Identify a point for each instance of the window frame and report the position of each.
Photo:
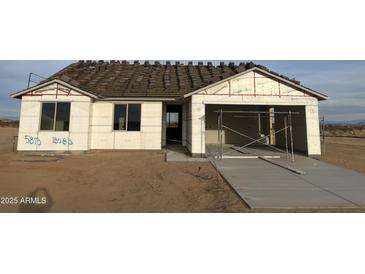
(127, 118)
(54, 117)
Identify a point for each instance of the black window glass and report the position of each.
(62, 117)
(120, 117)
(134, 117)
(47, 119)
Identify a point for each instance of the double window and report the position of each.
(55, 116)
(127, 117)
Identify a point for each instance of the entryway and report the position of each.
(173, 124)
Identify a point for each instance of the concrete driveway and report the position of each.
(265, 185)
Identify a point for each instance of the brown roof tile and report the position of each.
(124, 79)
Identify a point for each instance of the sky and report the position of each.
(342, 81)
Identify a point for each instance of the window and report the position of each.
(47, 121)
(127, 117)
(120, 116)
(55, 116)
(134, 117)
(62, 116)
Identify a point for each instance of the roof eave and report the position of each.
(18, 94)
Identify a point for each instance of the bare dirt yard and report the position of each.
(130, 181)
(347, 152)
(110, 181)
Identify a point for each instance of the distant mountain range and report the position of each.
(359, 122)
(10, 118)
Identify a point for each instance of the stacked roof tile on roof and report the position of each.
(124, 79)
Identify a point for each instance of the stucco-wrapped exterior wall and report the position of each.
(188, 124)
(91, 124)
(104, 137)
(163, 125)
(31, 138)
(313, 134)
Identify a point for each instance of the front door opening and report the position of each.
(173, 124)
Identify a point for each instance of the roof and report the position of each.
(116, 79)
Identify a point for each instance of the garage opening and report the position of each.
(248, 130)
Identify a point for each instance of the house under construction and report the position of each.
(121, 105)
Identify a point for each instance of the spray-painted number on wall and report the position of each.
(62, 141)
(32, 140)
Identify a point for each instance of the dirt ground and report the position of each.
(111, 181)
(346, 152)
(130, 181)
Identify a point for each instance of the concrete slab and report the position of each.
(265, 185)
(180, 154)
